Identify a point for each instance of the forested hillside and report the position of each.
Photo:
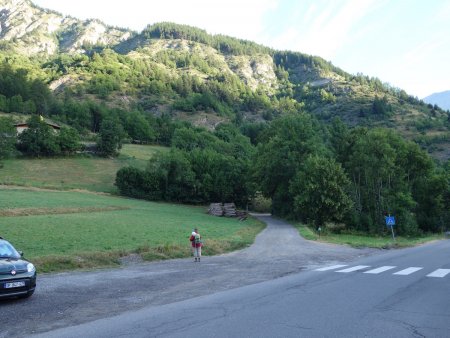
(188, 74)
(241, 118)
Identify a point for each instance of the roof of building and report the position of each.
(25, 124)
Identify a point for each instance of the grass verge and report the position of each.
(359, 240)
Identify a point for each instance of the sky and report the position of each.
(405, 43)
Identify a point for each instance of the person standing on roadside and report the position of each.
(196, 243)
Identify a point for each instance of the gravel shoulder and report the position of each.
(72, 298)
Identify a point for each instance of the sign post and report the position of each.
(390, 222)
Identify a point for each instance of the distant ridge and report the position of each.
(441, 99)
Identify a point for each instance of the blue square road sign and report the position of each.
(390, 221)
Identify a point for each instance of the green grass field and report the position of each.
(361, 240)
(80, 172)
(61, 230)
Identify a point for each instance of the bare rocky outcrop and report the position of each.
(254, 71)
(34, 30)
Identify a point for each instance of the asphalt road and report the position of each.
(401, 293)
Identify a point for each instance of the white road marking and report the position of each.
(381, 269)
(407, 271)
(439, 273)
(355, 268)
(330, 268)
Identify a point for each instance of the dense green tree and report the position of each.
(340, 140)
(110, 137)
(97, 113)
(189, 139)
(4, 104)
(284, 146)
(431, 193)
(68, 140)
(381, 106)
(139, 183)
(200, 168)
(77, 114)
(24, 94)
(16, 104)
(254, 131)
(220, 177)
(138, 127)
(164, 129)
(175, 176)
(39, 139)
(372, 171)
(8, 137)
(387, 176)
(320, 191)
(41, 96)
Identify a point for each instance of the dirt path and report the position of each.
(72, 298)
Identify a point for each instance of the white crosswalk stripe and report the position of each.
(354, 268)
(381, 269)
(439, 273)
(331, 267)
(408, 271)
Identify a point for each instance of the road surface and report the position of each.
(402, 293)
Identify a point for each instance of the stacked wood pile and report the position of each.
(229, 210)
(215, 209)
(242, 215)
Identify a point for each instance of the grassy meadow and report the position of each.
(60, 230)
(81, 172)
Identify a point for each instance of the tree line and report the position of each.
(330, 176)
(326, 175)
(200, 167)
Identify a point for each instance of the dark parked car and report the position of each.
(17, 275)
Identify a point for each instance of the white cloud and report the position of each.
(327, 27)
(443, 13)
(423, 52)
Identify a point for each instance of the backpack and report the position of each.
(197, 239)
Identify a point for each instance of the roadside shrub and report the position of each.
(259, 203)
(335, 228)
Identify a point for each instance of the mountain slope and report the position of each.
(442, 99)
(189, 74)
(39, 31)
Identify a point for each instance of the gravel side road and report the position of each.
(66, 299)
